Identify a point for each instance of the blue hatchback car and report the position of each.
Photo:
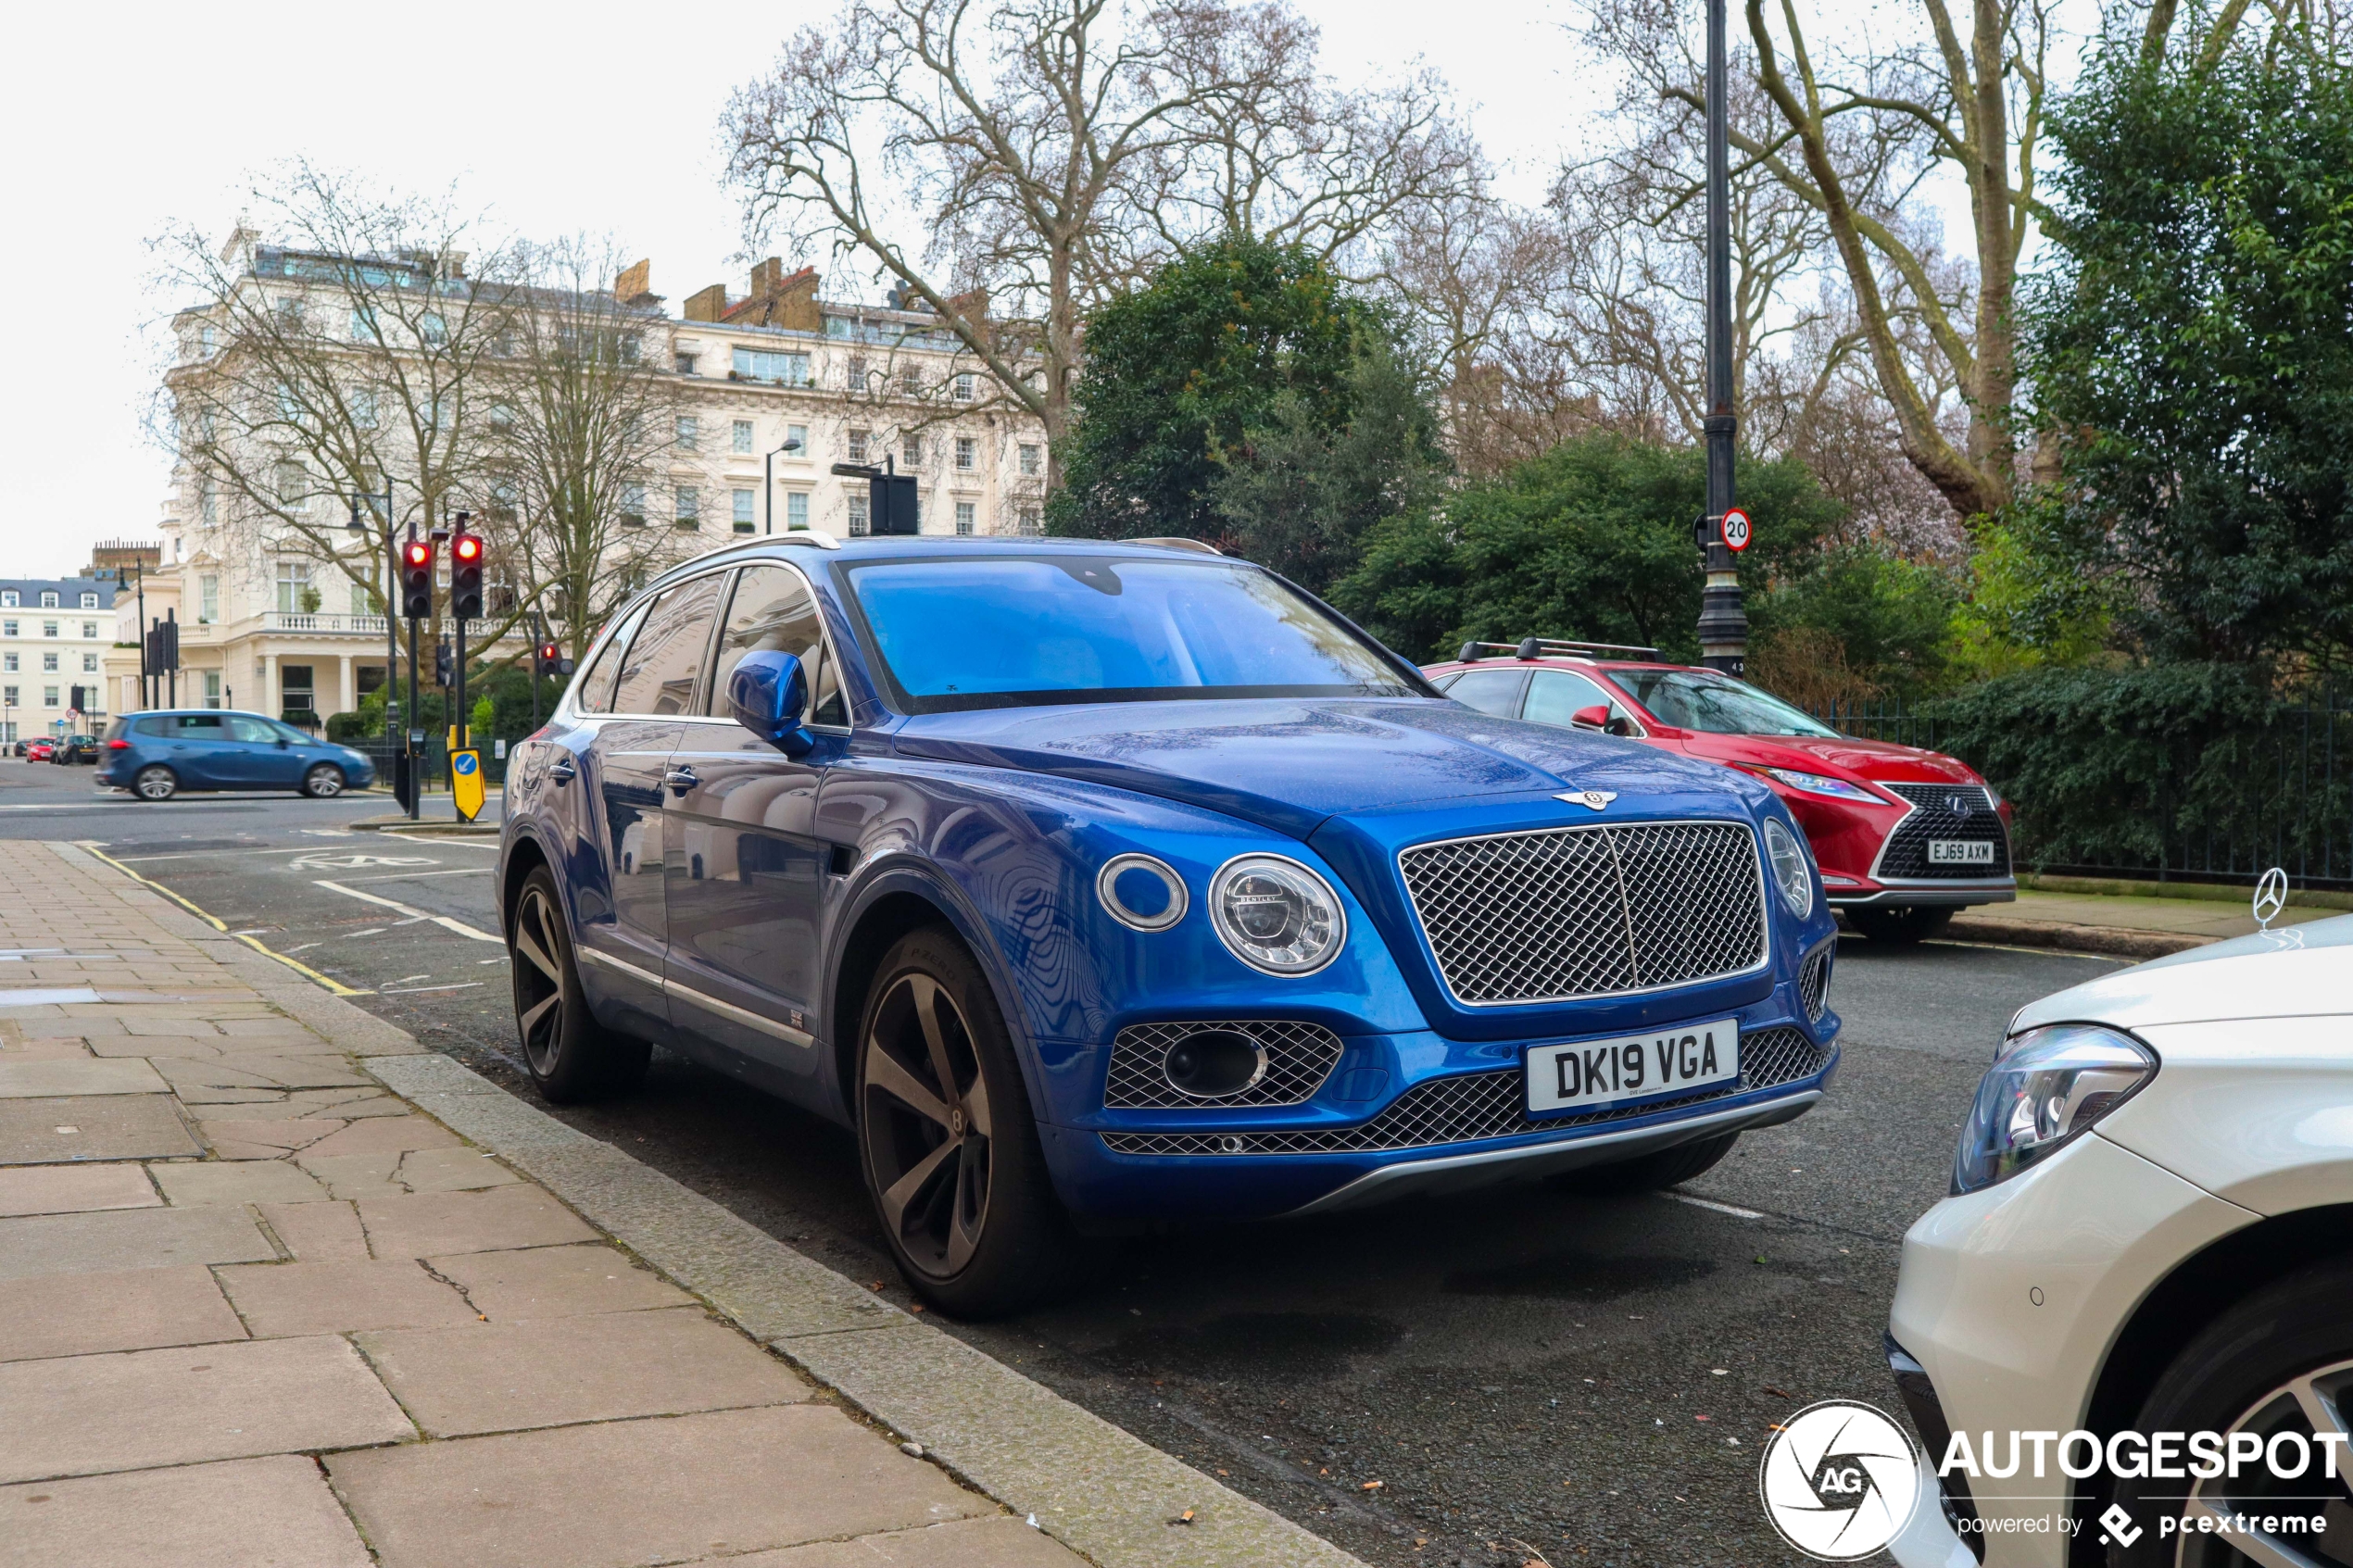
(154, 756)
(1094, 885)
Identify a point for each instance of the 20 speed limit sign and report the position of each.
(1735, 529)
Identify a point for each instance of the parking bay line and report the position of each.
(1710, 1204)
(446, 923)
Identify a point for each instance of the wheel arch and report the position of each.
(521, 856)
(2197, 1291)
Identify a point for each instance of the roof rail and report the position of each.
(1549, 648)
(1196, 545)
(810, 536)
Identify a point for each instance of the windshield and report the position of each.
(1699, 699)
(1022, 632)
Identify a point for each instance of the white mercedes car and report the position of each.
(2144, 1279)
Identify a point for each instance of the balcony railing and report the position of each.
(351, 625)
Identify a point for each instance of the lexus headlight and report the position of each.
(1792, 874)
(1822, 784)
(2048, 1085)
(1276, 914)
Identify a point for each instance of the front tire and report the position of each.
(323, 781)
(156, 782)
(570, 1057)
(951, 1152)
(1900, 928)
(1649, 1173)
(2281, 1362)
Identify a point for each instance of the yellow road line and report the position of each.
(337, 986)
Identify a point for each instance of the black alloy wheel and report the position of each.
(156, 782)
(570, 1057)
(950, 1151)
(323, 781)
(2277, 1368)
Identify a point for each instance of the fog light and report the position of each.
(1213, 1063)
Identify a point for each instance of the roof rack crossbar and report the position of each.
(1538, 647)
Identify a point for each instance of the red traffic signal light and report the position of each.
(466, 547)
(465, 577)
(416, 579)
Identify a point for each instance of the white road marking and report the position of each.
(372, 931)
(412, 990)
(1711, 1204)
(416, 876)
(349, 861)
(445, 922)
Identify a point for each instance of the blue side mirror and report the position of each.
(768, 693)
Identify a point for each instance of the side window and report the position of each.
(595, 686)
(1554, 696)
(1490, 691)
(199, 726)
(658, 677)
(256, 731)
(772, 611)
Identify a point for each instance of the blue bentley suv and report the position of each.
(1099, 885)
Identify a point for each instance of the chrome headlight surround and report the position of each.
(1793, 868)
(1107, 892)
(1277, 915)
(2048, 1087)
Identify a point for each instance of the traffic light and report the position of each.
(465, 577)
(444, 667)
(416, 579)
(548, 659)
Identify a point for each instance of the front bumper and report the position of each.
(2008, 1300)
(1864, 894)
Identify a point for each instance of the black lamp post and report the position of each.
(768, 466)
(1723, 629)
(391, 586)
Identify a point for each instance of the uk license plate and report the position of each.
(1591, 1072)
(1960, 852)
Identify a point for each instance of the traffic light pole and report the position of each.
(1723, 628)
(408, 741)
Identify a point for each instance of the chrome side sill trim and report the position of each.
(750, 1020)
(605, 961)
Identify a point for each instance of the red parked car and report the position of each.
(43, 749)
(1904, 836)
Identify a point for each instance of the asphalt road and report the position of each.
(1473, 1381)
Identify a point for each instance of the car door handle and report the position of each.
(561, 771)
(681, 779)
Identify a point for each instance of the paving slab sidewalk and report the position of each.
(278, 1286)
(2117, 925)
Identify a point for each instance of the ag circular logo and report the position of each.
(1840, 1480)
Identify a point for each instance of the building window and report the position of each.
(688, 509)
(89, 664)
(783, 369)
(48, 628)
(800, 435)
(8, 693)
(293, 583)
(744, 516)
(743, 435)
(207, 599)
(88, 601)
(686, 363)
(796, 508)
(363, 325)
(208, 503)
(9, 600)
(295, 689)
(48, 598)
(48, 696)
(9, 629)
(213, 688)
(857, 517)
(89, 628)
(910, 380)
(911, 452)
(965, 519)
(858, 439)
(853, 373)
(689, 430)
(10, 664)
(1028, 458)
(965, 388)
(48, 664)
(633, 506)
(967, 452)
(363, 599)
(293, 484)
(1031, 524)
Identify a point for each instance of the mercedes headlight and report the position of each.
(2048, 1085)
(1792, 874)
(1822, 784)
(1275, 915)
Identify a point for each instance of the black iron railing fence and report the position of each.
(2217, 798)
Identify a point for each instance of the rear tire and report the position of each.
(156, 782)
(951, 1152)
(1649, 1173)
(323, 781)
(1900, 928)
(2280, 1361)
(570, 1055)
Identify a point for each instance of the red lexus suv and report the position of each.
(1904, 836)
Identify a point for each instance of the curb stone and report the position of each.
(2112, 941)
(1091, 1485)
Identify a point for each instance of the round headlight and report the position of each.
(1276, 914)
(1141, 892)
(1792, 873)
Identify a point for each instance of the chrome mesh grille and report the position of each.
(1299, 1058)
(1475, 1106)
(1814, 980)
(1933, 816)
(1570, 912)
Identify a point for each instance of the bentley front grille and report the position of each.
(1564, 914)
(1474, 1106)
(1299, 1058)
(1943, 814)
(1814, 980)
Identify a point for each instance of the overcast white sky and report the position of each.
(552, 119)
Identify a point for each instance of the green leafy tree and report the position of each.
(1890, 620)
(1229, 342)
(2191, 356)
(1590, 540)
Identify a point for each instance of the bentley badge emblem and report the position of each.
(1595, 798)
